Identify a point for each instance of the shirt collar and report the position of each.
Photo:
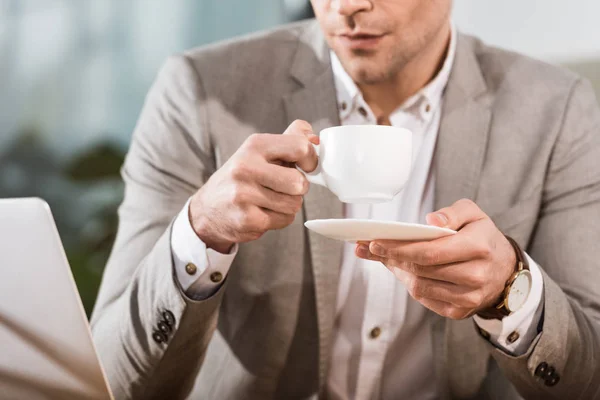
(349, 95)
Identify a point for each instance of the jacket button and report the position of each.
(169, 318)
(159, 337)
(550, 372)
(552, 380)
(541, 369)
(164, 327)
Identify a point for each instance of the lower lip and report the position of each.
(366, 43)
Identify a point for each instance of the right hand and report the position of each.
(256, 190)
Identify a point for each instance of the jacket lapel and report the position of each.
(460, 151)
(314, 100)
(464, 129)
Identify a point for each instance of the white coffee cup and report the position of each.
(363, 163)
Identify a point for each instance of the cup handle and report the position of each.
(317, 175)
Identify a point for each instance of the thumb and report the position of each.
(437, 219)
(456, 216)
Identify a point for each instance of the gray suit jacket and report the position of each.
(519, 137)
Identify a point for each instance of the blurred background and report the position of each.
(74, 73)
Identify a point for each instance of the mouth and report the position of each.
(360, 41)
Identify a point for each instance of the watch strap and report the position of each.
(521, 257)
(499, 311)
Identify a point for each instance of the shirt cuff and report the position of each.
(199, 270)
(515, 333)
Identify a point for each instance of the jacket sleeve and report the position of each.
(144, 327)
(564, 360)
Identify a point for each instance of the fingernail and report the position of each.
(362, 250)
(314, 139)
(439, 219)
(377, 249)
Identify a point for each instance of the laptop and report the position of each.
(46, 347)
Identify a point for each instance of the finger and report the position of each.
(299, 127)
(402, 274)
(276, 148)
(256, 219)
(471, 243)
(456, 216)
(362, 251)
(278, 220)
(433, 290)
(302, 128)
(448, 273)
(275, 201)
(468, 274)
(460, 296)
(281, 179)
(446, 250)
(291, 148)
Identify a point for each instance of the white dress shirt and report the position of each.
(382, 344)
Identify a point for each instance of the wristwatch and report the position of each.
(516, 290)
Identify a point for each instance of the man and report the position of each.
(215, 290)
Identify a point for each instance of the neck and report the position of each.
(385, 97)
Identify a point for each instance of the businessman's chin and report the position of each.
(369, 68)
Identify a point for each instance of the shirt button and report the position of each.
(375, 332)
(343, 106)
(553, 380)
(513, 337)
(190, 268)
(428, 108)
(216, 277)
(363, 112)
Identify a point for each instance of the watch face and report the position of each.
(519, 291)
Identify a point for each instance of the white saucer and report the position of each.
(358, 230)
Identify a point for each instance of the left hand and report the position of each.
(455, 276)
